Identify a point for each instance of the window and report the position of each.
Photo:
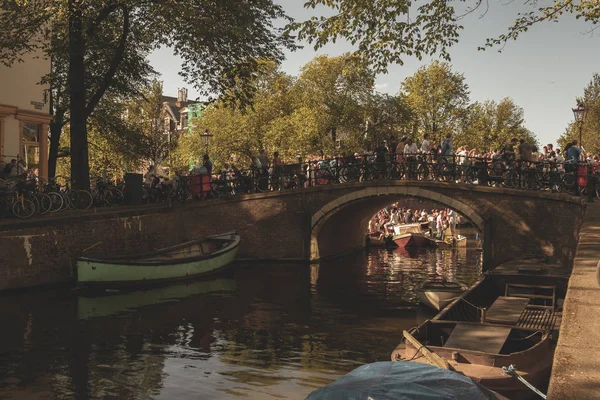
(184, 121)
(31, 132)
(31, 146)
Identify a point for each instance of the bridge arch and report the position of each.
(339, 226)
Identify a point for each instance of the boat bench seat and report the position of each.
(543, 297)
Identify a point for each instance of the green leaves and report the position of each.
(490, 125)
(439, 97)
(383, 30)
(591, 123)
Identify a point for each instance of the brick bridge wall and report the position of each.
(296, 225)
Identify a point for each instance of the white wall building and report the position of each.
(24, 116)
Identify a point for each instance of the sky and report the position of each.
(543, 71)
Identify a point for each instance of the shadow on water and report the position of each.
(276, 331)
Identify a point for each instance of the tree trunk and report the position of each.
(80, 174)
(55, 132)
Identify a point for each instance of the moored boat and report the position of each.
(375, 239)
(438, 295)
(403, 380)
(506, 295)
(407, 228)
(479, 351)
(184, 261)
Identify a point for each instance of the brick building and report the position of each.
(24, 113)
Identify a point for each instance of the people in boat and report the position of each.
(389, 226)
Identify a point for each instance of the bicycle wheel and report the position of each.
(568, 182)
(23, 208)
(262, 184)
(45, 203)
(116, 196)
(73, 199)
(511, 179)
(4, 207)
(56, 202)
(66, 201)
(85, 199)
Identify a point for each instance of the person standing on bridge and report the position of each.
(410, 152)
(525, 150)
(426, 146)
(400, 150)
(447, 146)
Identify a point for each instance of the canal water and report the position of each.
(259, 332)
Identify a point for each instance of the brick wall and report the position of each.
(273, 226)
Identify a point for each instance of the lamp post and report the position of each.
(206, 138)
(579, 113)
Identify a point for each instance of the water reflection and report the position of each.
(277, 331)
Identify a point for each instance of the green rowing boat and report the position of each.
(184, 261)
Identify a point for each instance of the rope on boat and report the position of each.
(513, 372)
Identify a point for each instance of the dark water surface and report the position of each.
(260, 332)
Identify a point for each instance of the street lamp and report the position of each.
(206, 138)
(579, 113)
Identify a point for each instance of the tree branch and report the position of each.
(114, 66)
(102, 15)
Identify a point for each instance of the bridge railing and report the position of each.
(526, 175)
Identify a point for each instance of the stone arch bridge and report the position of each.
(301, 225)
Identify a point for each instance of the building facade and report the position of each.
(179, 113)
(25, 114)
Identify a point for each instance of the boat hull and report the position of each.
(409, 240)
(438, 300)
(127, 272)
(533, 360)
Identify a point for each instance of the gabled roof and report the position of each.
(172, 111)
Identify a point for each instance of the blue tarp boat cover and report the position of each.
(403, 380)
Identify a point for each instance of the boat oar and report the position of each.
(433, 358)
(91, 247)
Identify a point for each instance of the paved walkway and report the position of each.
(576, 371)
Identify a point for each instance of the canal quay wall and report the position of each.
(576, 369)
(295, 226)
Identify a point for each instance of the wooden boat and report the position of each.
(375, 239)
(512, 297)
(450, 242)
(438, 295)
(479, 351)
(407, 228)
(408, 240)
(403, 380)
(120, 302)
(184, 261)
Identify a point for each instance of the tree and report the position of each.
(388, 117)
(339, 88)
(144, 118)
(491, 125)
(241, 132)
(220, 42)
(591, 124)
(438, 97)
(387, 31)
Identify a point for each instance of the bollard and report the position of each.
(591, 187)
